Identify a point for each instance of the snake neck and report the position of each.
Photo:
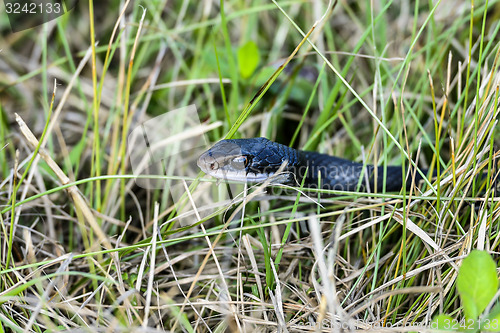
(334, 173)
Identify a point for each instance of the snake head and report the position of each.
(245, 160)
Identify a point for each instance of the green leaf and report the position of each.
(248, 59)
(477, 282)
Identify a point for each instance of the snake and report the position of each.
(255, 160)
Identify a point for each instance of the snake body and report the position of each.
(257, 159)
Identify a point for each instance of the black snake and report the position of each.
(257, 159)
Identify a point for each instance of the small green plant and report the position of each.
(477, 285)
(248, 59)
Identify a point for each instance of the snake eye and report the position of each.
(239, 163)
